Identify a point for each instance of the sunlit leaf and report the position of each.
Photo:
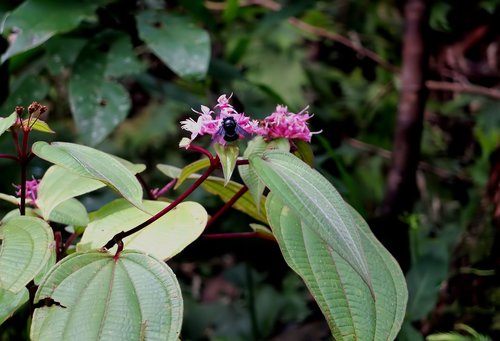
(70, 212)
(94, 164)
(319, 204)
(7, 122)
(91, 296)
(352, 308)
(10, 302)
(25, 248)
(163, 239)
(38, 125)
(182, 46)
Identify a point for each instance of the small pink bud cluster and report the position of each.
(280, 124)
(31, 190)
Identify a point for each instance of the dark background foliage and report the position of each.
(406, 93)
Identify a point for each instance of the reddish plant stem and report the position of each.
(164, 189)
(144, 185)
(201, 150)
(22, 201)
(226, 206)
(242, 162)
(69, 241)
(214, 164)
(8, 156)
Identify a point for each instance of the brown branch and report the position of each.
(460, 87)
(401, 187)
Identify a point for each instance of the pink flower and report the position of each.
(282, 123)
(207, 124)
(31, 190)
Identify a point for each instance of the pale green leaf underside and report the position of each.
(319, 204)
(352, 312)
(136, 297)
(10, 302)
(163, 239)
(26, 247)
(70, 212)
(94, 164)
(7, 122)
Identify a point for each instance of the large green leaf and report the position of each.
(94, 164)
(7, 122)
(181, 45)
(91, 296)
(317, 202)
(353, 310)
(163, 239)
(25, 248)
(10, 302)
(97, 103)
(58, 185)
(70, 212)
(36, 21)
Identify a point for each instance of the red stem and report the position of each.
(8, 156)
(165, 189)
(120, 236)
(226, 206)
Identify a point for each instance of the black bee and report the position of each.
(229, 131)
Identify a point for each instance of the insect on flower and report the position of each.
(229, 131)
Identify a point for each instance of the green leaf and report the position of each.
(94, 164)
(317, 202)
(10, 302)
(92, 296)
(190, 169)
(36, 21)
(58, 185)
(7, 122)
(163, 239)
(255, 186)
(38, 125)
(98, 104)
(70, 212)
(182, 46)
(354, 311)
(304, 152)
(122, 60)
(228, 155)
(25, 248)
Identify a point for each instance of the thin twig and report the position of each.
(460, 87)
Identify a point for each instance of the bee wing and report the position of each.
(218, 137)
(242, 132)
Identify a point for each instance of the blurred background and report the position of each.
(407, 94)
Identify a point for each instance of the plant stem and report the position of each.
(214, 164)
(164, 189)
(226, 206)
(8, 156)
(144, 185)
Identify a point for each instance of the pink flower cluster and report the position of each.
(280, 124)
(31, 190)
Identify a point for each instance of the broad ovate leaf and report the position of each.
(7, 122)
(163, 238)
(26, 244)
(318, 203)
(58, 185)
(255, 186)
(70, 212)
(98, 104)
(10, 302)
(92, 296)
(180, 44)
(93, 164)
(354, 311)
(228, 155)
